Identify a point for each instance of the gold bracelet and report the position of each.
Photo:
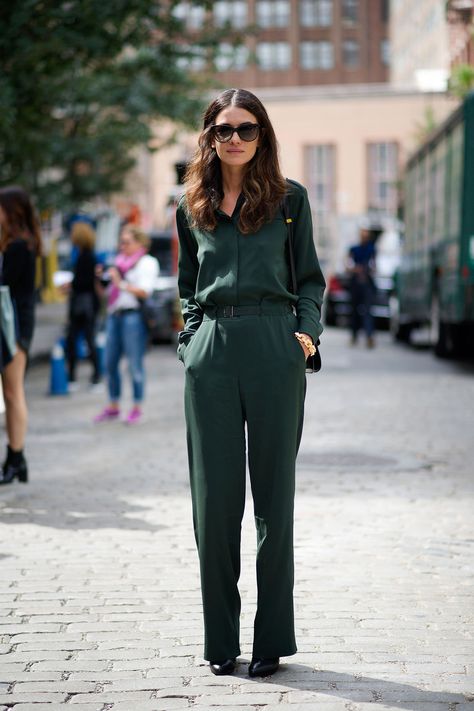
(307, 342)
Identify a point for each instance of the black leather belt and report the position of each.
(252, 310)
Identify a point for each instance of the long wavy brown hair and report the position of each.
(263, 185)
(20, 219)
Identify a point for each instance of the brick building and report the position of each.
(305, 42)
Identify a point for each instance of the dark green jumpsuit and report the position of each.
(245, 367)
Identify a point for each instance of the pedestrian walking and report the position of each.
(83, 302)
(20, 244)
(130, 281)
(244, 348)
(361, 266)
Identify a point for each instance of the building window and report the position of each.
(195, 59)
(274, 55)
(233, 12)
(273, 14)
(316, 55)
(350, 10)
(320, 175)
(192, 15)
(350, 53)
(316, 13)
(231, 58)
(385, 52)
(382, 171)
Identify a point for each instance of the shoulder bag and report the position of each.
(315, 361)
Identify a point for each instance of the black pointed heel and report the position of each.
(221, 668)
(263, 667)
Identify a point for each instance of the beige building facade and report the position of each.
(347, 145)
(419, 44)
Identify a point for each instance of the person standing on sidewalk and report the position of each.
(132, 279)
(361, 267)
(244, 348)
(83, 302)
(20, 244)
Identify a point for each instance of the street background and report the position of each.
(100, 602)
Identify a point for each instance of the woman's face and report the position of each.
(128, 243)
(235, 152)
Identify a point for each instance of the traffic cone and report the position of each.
(58, 380)
(100, 350)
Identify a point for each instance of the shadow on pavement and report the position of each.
(360, 689)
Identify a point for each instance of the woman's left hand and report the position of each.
(305, 349)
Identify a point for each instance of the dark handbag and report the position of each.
(315, 361)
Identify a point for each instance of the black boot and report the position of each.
(14, 467)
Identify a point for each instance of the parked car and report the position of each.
(162, 302)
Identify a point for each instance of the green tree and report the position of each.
(461, 81)
(83, 81)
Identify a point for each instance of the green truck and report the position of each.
(435, 280)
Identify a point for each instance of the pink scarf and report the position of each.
(123, 264)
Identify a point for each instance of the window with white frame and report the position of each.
(274, 55)
(230, 11)
(315, 13)
(350, 10)
(273, 13)
(382, 171)
(320, 177)
(192, 15)
(231, 58)
(350, 53)
(316, 55)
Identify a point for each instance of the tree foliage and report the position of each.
(461, 81)
(81, 84)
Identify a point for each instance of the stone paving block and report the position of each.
(15, 698)
(70, 665)
(10, 675)
(112, 697)
(327, 704)
(140, 684)
(41, 687)
(57, 707)
(166, 704)
(219, 699)
(26, 657)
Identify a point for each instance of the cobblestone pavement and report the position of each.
(99, 589)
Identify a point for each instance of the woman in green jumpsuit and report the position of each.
(244, 347)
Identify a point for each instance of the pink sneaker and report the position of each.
(107, 414)
(134, 416)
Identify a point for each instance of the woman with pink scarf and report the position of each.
(132, 279)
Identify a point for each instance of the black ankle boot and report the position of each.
(14, 467)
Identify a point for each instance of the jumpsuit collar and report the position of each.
(238, 205)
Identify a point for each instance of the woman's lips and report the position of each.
(234, 150)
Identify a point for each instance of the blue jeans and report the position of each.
(126, 334)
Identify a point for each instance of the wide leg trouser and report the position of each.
(247, 370)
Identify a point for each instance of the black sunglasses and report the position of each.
(223, 132)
